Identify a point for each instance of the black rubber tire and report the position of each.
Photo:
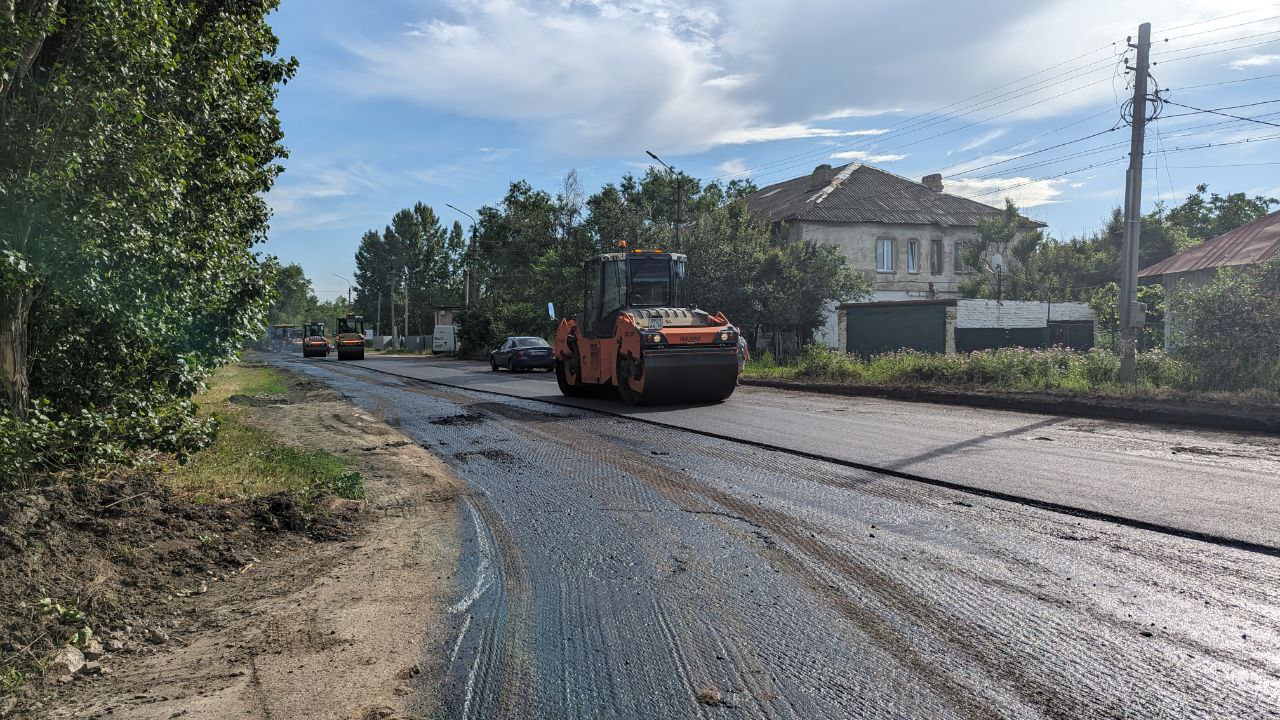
(629, 396)
(562, 380)
(493, 364)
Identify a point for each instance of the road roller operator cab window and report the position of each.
(351, 325)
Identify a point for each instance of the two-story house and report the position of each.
(907, 237)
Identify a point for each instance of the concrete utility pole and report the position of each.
(466, 274)
(1130, 314)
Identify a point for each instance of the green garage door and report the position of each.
(881, 329)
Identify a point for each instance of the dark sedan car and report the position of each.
(523, 353)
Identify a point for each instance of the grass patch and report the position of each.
(1020, 369)
(246, 462)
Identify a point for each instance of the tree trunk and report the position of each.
(15, 309)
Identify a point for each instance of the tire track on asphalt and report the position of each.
(1210, 538)
(1076, 686)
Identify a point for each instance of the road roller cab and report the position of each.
(638, 334)
(314, 343)
(350, 339)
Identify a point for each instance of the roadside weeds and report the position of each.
(217, 600)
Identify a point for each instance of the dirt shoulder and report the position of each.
(1224, 416)
(332, 622)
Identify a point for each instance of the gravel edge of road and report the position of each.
(1180, 412)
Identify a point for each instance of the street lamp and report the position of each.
(348, 282)
(675, 183)
(466, 274)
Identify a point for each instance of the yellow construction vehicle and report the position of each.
(350, 339)
(638, 334)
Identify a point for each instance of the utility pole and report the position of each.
(466, 274)
(1130, 314)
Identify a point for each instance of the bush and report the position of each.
(1003, 368)
(481, 329)
(1228, 331)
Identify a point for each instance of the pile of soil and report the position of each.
(118, 555)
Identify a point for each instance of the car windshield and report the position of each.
(529, 342)
(650, 282)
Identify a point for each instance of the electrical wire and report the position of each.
(1235, 117)
(1226, 27)
(1223, 17)
(1224, 82)
(1214, 52)
(1216, 42)
(1215, 111)
(916, 120)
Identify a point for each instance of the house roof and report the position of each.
(1249, 244)
(862, 193)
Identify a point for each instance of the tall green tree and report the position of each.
(1204, 215)
(292, 296)
(138, 139)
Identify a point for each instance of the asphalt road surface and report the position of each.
(1218, 483)
(616, 569)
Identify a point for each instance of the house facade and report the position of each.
(906, 237)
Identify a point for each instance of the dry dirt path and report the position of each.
(350, 629)
(613, 569)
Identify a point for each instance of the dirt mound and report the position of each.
(113, 555)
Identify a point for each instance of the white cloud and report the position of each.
(1254, 61)
(736, 167)
(598, 77)
(303, 188)
(862, 156)
(790, 131)
(980, 140)
(851, 112)
(1027, 193)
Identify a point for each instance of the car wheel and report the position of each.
(493, 364)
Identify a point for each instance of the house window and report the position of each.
(913, 256)
(884, 255)
(935, 256)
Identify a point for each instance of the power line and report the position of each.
(1215, 52)
(1215, 110)
(1027, 140)
(1230, 165)
(1226, 27)
(916, 119)
(1234, 117)
(1047, 149)
(1224, 82)
(1223, 17)
(957, 129)
(1218, 42)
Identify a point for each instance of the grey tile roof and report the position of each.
(1249, 244)
(861, 193)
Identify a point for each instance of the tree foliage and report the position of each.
(1229, 329)
(528, 250)
(136, 140)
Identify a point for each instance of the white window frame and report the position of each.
(884, 255)
(913, 256)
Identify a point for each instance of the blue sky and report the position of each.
(448, 101)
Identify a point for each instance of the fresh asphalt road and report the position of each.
(616, 569)
(1218, 483)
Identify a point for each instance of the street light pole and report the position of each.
(348, 282)
(466, 274)
(675, 184)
